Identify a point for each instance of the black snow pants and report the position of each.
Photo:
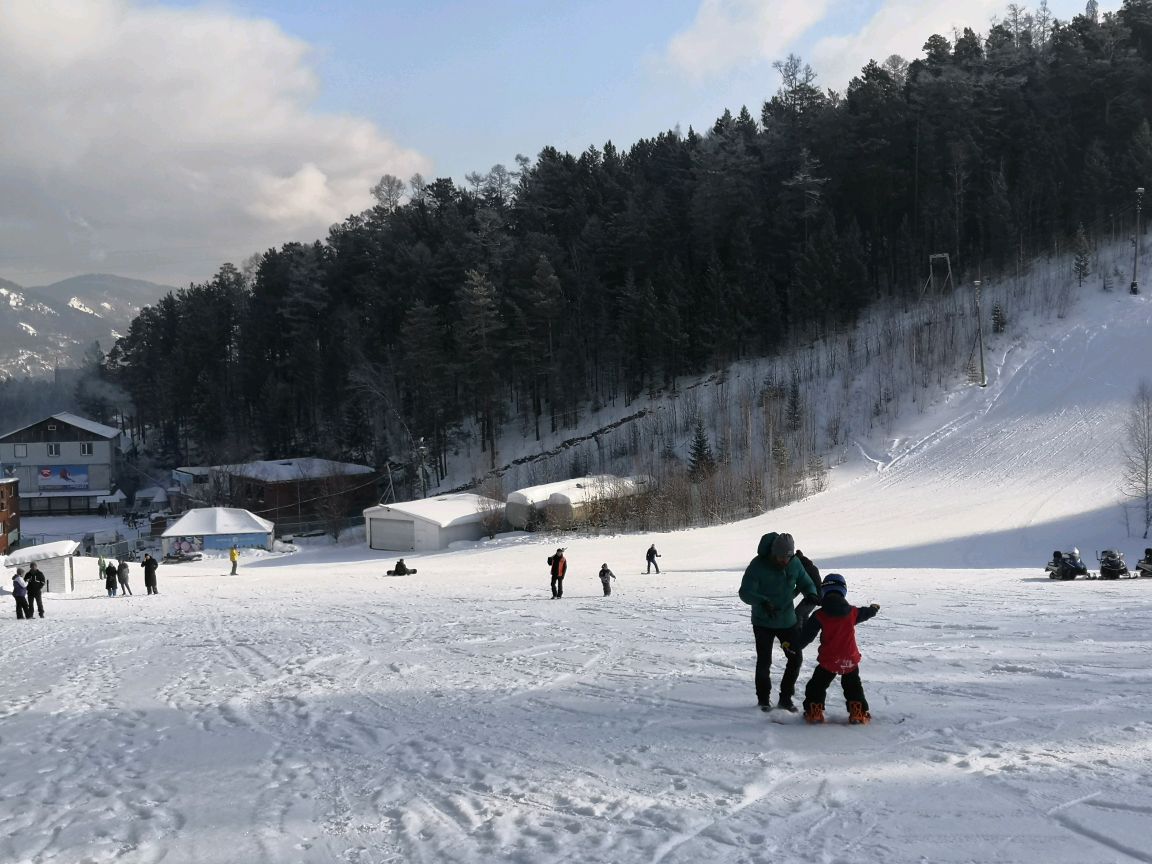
(34, 601)
(764, 639)
(817, 689)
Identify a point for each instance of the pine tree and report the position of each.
(701, 462)
(1083, 255)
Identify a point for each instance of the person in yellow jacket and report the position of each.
(233, 556)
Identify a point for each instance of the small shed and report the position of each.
(431, 523)
(217, 528)
(55, 559)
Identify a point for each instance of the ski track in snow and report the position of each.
(380, 727)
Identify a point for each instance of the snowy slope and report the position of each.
(311, 710)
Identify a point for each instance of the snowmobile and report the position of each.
(1112, 565)
(1066, 565)
(1144, 565)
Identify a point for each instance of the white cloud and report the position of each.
(898, 27)
(161, 142)
(903, 26)
(728, 33)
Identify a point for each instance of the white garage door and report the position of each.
(396, 534)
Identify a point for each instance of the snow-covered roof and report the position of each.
(67, 493)
(287, 470)
(207, 521)
(198, 471)
(87, 425)
(540, 494)
(155, 494)
(443, 510)
(605, 486)
(73, 420)
(59, 549)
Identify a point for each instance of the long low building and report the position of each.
(431, 523)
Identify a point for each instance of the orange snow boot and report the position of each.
(857, 716)
(814, 713)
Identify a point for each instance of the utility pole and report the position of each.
(1135, 289)
(980, 336)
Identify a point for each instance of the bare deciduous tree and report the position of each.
(1136, 480)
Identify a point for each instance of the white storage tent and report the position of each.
(567, 505)
(525, 505)
(217, 528)
(429, 524)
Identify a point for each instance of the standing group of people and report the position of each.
(118, 574)
(28, 589)
(772, 580)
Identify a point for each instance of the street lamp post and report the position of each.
(980, 336)
(1135, 289)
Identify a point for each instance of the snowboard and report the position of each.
(409, 573)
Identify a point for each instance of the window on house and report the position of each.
(53, 449)
(85, 448)
(21, 451)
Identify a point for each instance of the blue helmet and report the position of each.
(833, 584)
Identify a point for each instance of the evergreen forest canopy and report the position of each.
(530, 296)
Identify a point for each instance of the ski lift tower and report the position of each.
(933, 260)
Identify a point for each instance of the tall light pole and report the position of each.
(1135, 289)
(980, 336)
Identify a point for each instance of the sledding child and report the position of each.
(835, 622)
(606, 577)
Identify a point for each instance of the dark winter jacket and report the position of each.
(769, 589)
(149, 564)
(110, 576)
(606, 574)
(559, 565)
(19, 587)
(652, 554)
(35, 580)
(123, 572)
(835, 622)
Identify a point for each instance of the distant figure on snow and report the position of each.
(606, 577)
(651, 558)
(401, 569)
(36, 583)
(20, 592)
(558, 565)
(150, 564)
(110, 572)
(234, 557)
(123, 571)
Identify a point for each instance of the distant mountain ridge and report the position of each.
(50, 326)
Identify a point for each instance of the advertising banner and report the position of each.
(56, 478)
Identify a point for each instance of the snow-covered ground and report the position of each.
(313, 710)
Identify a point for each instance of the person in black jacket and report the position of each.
(150, 564)
(651, 557)
(110, 578)
(36, 583)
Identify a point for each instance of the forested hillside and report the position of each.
(529, 297)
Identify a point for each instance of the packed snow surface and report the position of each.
(311, 709)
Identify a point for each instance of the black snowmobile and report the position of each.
(1112, 565)
(1066, 565)
(1144, 565)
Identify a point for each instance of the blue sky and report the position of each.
(471, 84)
(161, 138)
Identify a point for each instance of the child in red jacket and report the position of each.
(835, 622)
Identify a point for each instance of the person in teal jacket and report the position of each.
(770, 582)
